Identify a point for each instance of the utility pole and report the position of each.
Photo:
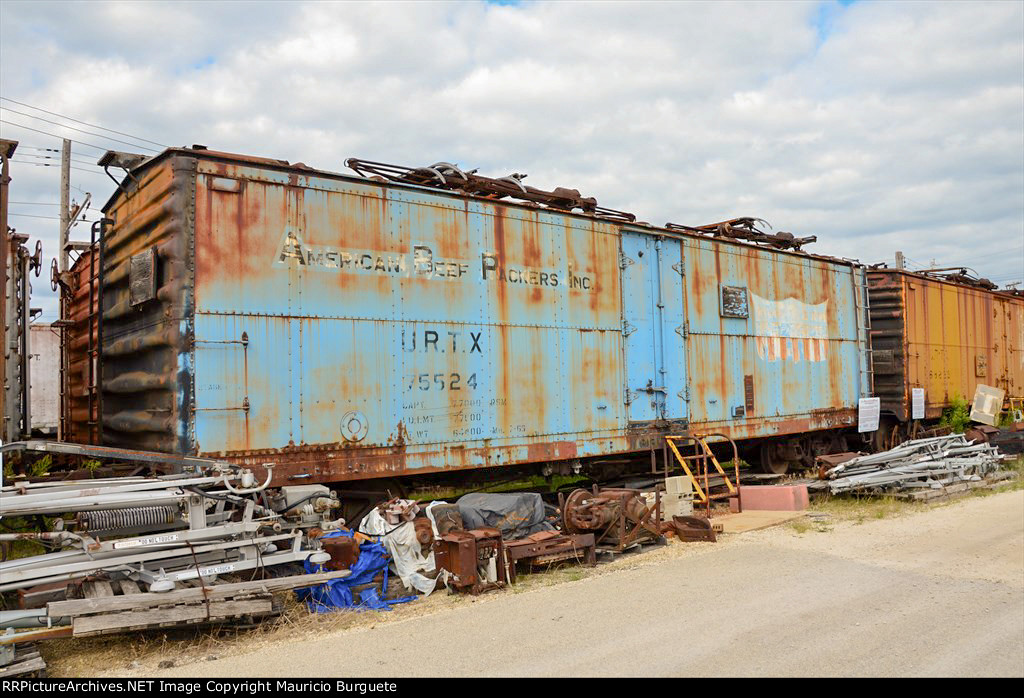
(62, 267)
(6, 151)
(65, 209)
(899, 260)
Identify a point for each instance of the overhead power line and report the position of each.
(47, 133)
(46, 164)
(54, 218)
(54, 157)
(80, 130)
(86, 123)
(22, 146)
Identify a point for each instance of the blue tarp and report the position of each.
(337, 593)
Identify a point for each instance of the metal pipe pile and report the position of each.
(162, 531)
(932, 463)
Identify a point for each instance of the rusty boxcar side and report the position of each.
(777, 342)
(345, 328)
(943, 337)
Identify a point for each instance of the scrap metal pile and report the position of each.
(932, 463)
(445, 175)
(474, 544)
(477, 543)
(212, 545)
(747, 229)
(138, 552)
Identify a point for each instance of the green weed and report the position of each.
(957, 416)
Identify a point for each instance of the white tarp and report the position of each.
(407, 560)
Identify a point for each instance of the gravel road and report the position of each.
(937, 593)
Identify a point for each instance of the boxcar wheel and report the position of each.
(772, 458)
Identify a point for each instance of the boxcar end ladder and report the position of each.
(862, 310)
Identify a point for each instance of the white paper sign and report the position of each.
(868, 410)
(917, 403)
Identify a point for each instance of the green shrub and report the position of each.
(41, 467)
(957, 415)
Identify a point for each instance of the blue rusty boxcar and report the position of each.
(345, 328)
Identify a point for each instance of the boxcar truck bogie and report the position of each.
(348, 329)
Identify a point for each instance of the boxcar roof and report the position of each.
(1003, 292)
(136, 165)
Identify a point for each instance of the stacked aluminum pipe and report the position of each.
(923, 463)
(160, 531)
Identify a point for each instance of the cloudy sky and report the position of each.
(875, 126)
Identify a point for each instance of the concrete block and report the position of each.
(671, 504)
(678, 485)
(676, 505)
(774, 497)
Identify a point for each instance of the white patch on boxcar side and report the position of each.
(790, 329)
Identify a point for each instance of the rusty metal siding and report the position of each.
(391, 330)
(943, 337)
(80, 417)
(145, 368)
(773, 344)
(344, 328)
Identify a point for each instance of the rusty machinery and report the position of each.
(619, 518)
(547, 547)
(473, 561)
(692, 528)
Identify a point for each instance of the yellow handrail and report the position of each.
(682, 462)
(705, 454)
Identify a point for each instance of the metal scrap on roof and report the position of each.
(444, 175)
(747, 229)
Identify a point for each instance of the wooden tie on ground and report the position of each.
(26, 661)
(118, 606)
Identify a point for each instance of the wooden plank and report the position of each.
(77, 607)
(129, 587)
(86, 625)
(99, 589)
(39, 596)
(33, 634)
(23, 667)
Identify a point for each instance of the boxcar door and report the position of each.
(652, 328)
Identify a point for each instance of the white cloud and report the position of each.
(878, 126)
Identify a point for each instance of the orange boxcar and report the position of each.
(943, 337)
